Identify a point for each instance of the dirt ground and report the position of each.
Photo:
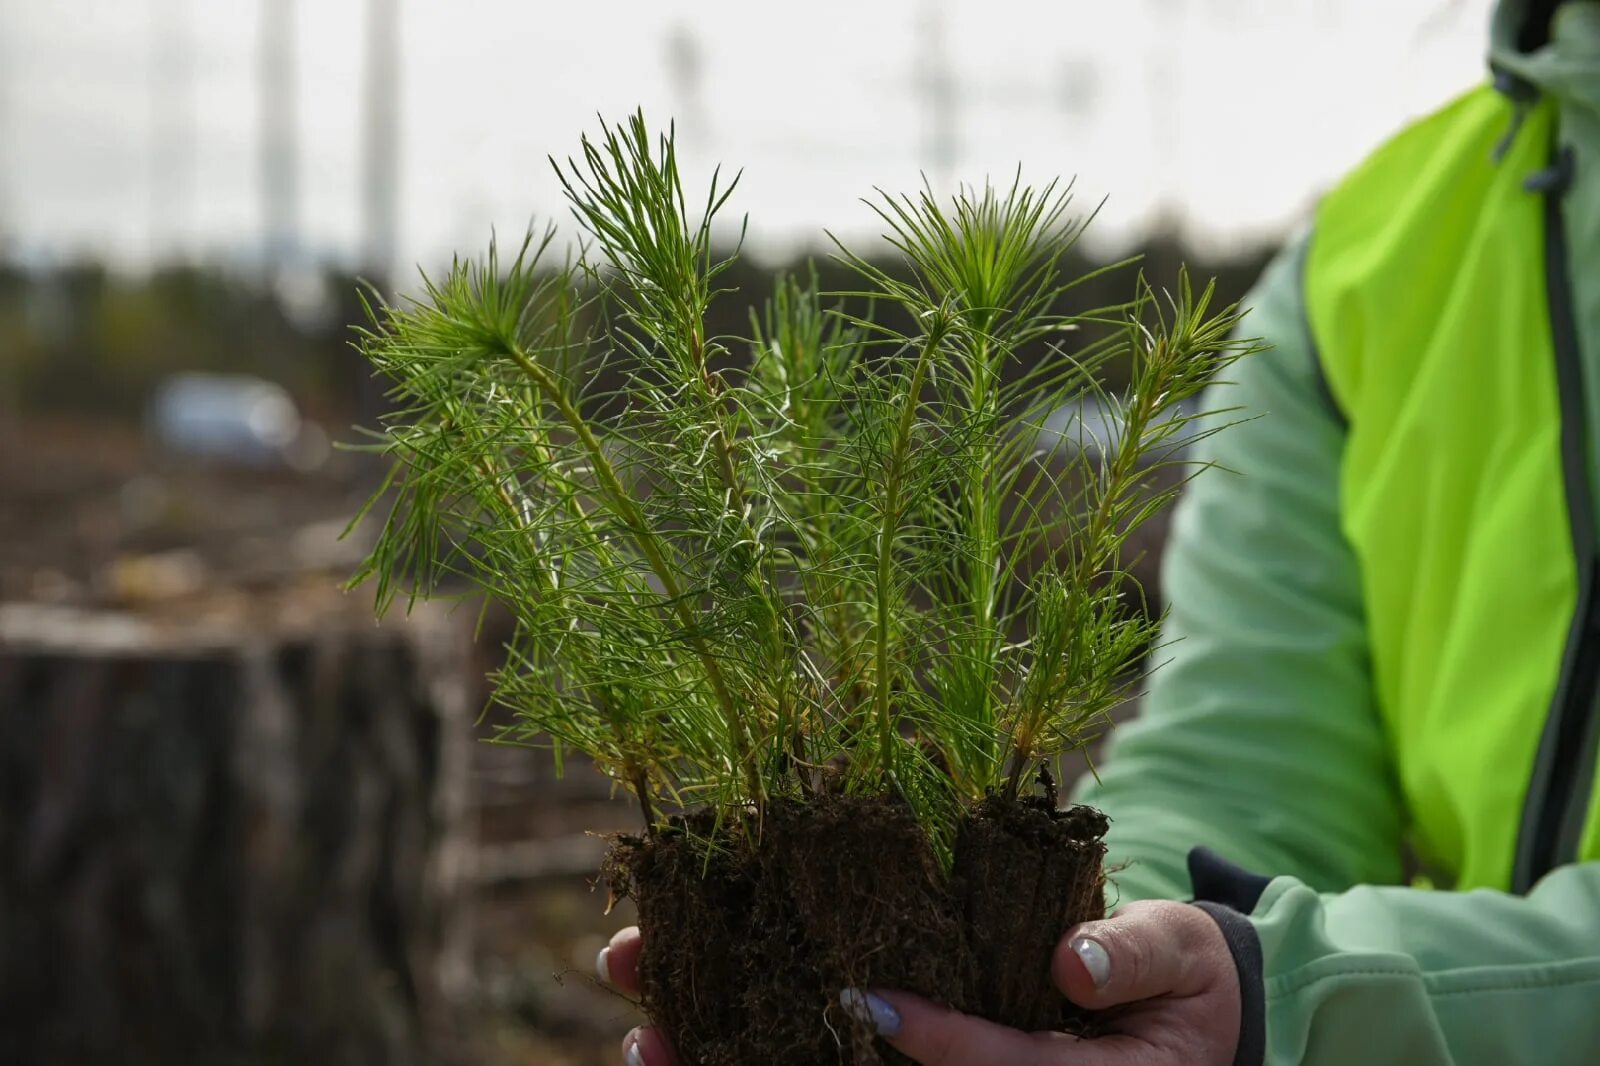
(90, 517)
(538, 922)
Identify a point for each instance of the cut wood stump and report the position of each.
(223, 847)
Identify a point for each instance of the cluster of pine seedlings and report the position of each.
(808, 560)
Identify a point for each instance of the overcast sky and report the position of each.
(130, 127)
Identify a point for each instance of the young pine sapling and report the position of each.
(845, 556)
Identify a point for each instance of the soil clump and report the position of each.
(748, 942)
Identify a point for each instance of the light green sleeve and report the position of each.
(1259, 739)
(1259, 736)
(1384, 975)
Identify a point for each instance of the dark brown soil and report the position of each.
(748, 946)
(1024, 874)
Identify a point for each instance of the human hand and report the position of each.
(1166, 965)
(618, 965)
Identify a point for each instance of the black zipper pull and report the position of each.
(1555, 179)
(1522, 94)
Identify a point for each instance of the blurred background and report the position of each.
(239, 822)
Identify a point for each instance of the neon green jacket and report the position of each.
(1282, 732)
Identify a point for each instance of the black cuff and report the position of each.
(1229, 894)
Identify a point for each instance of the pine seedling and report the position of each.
(804, 561)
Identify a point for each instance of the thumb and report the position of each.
(1145, 950)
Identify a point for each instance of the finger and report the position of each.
(1145, 950)
(647, 1047)
(618, 962)
(937, 1036)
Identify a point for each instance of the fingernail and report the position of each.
(1095, 959)
(602, 965)
(871, 1010)
(635, 1057)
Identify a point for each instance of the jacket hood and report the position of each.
(1532, 51)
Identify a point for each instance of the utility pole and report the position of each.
(380, 177)
(380, 156)
(279, 145)
(1075, 90)
(10, 371)
(686, 71)
(936, 85)
(1167, 23)
(8, 148)
(171, 128)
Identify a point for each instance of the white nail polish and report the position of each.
(635, 1057)
(1095, 959)
(602, 965)
(871, 1010)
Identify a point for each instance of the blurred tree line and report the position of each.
(84, 340)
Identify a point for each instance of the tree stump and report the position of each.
(228, 848)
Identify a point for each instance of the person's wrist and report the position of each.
(1229, 894)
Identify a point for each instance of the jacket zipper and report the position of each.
(1561, 787)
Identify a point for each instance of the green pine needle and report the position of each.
(809, 559)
